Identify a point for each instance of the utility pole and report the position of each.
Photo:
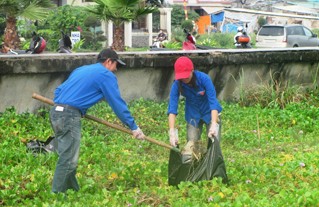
(185, 10)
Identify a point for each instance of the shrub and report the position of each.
(274, 94)
(207, 40)
(223, 40)
(188, 25)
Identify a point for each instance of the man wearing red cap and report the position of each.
(201, 104)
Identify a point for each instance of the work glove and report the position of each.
(138, 134)
(173, 137)
(213, 130)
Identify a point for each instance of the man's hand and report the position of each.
(173, 137)
(213, 130)
(138, 134)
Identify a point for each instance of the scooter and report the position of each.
(65, 44)
(37, 46)
(190, 41)
(243, 41)
(188, 44)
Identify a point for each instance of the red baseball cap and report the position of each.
(183, 67)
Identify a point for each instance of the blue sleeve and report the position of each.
(173, 99)
(113, 97)
(211, 94)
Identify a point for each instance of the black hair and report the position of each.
(192, 83)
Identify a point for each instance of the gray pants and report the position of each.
(67, 128)
(194, 131)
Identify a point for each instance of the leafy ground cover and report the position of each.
(271, 154)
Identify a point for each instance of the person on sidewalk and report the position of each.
(85, 86)
(201, 104)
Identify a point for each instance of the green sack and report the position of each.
(210, 165)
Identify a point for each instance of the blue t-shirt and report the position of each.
(89, 84)
(199, 101)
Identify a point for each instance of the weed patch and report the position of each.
(271, 156)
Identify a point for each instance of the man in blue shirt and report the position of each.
(201, 104)
(85, 86)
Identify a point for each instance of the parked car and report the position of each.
(286, 36)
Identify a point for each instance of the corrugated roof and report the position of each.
(270, 13)
(297, 9)
(212, 10)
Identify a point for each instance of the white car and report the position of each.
(286, 36)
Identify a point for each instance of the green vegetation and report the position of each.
(271, 154)
(15, 9)
(178, 16)
(119, 12)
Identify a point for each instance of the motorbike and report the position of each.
(37, 46)
(188, 44)
(65, 44)
(243, 41)
(190, 41)
(159, 41)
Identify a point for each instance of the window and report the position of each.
(298, 31)
(290, 31)
(307, 32)
(272, 31)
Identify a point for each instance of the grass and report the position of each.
(271, 155)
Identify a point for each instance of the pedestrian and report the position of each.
(201, 104)
(160, 40)
(85, 86)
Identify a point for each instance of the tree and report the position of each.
(29, 9)
(93, 38)
(157, 3)
(120, 11)
(179, 16)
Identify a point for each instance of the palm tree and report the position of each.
(120, 11)
(29, 9)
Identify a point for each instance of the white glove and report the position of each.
(173, 136)
(213, 130)
(138, 134)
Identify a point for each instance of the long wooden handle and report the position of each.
(114, 126)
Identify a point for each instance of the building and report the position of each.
(139, 33)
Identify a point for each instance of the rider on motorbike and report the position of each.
(190, 41)
(241, 39)
(160, 39)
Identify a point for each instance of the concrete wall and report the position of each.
(150, 74)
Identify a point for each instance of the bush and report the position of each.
(316, 31)
(261, 21)
(223, 40)
(207, 40)
(179, 16)
(275, 95)
(188, 25)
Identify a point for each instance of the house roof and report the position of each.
(212, 10)
(297, 9)
(271, 13)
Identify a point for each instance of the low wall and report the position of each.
(150, 74)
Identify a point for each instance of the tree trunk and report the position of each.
(11, 38)
(118, 38)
